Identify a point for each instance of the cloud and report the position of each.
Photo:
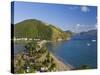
(84, 9)
(86, 26)
(78, 25)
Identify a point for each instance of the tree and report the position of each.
(31, 47)
(48, 55)
(52, 67)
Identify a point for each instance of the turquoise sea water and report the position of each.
(74, 52)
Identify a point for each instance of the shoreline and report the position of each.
(60, 65)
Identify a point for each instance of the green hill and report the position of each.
(33, 28)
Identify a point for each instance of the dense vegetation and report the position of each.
(33, 28)
(34, 60)
(69, 33)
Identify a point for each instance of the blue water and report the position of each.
(76, 52)
(18, 48)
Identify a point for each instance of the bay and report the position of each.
(74, 52)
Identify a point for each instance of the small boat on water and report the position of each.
(93, 40)
(88, 44)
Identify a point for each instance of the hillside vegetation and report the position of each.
(33, 28)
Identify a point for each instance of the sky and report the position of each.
(76, 18)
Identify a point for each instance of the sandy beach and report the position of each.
(60, 65)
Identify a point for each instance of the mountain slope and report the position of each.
(91, 34)
(33, 28)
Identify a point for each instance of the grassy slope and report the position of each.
(36, 29)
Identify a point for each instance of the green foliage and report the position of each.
(36, 29)
(31, 47)
(20, 71)
(48, 55)
(53, 65)
(69, 33)
(32, 29)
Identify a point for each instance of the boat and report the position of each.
(88, 44)
(93, 40)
